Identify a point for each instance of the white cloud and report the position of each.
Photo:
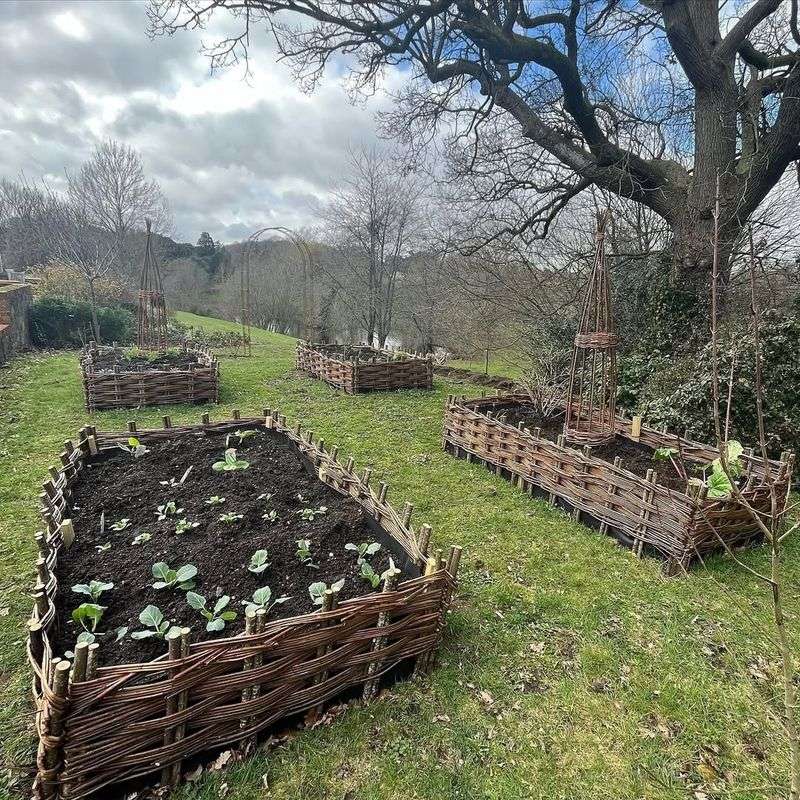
(230, 154)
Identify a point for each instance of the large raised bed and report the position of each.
(680, 525)
(102, 723)
(364, 369)
(113, 379)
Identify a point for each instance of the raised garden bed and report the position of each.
(364, 369)
(618, 487)
(114, 378)
(128, 708)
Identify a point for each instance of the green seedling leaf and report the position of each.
(230, 463)
(93, 589)
(121, 525)
(259, 561)
(87, 615)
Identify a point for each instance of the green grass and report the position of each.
(504, 364)
(569, 669)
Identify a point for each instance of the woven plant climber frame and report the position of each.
(679, 526)
(101, 726)
(590, 407)
(369, 370)
(151, 316)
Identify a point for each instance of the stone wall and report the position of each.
(14, 334)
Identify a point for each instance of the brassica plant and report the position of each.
(259, 561)
(134, 447)
(87, 615)
(181, 578)
(217, 616)
(142, 538)
(364, 550)
(309, 514)
(155, 623)
(93, 589)
(231, 463)
(169, 509)
(304, 553)
(261, 600)
(216, 500)
(183, 525)
(230, 517)
(318, 589)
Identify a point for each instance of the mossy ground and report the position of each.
(570, 669)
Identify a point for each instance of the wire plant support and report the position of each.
(590, 408)
(151, 318)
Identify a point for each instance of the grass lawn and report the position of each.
(570, 669)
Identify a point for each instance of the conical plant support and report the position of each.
(151, 321)
(593, 379)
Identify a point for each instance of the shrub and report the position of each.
(688, 405)
(55, 322)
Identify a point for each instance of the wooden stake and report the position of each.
(330, 600)
(183, 700)
(81, 661)
(67, 532)
(379, 642)
(173, 638)
(636, 428)
(53, 747)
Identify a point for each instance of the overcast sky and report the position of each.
(230, 155)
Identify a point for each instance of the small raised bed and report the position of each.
(114, 378)
(364, 369)
(109, 717)
(620, 492)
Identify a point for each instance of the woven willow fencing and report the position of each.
(99, 726)
(640, 512)
(384, 372)
(118, 388)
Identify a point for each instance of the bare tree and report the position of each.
(65, 226)
(116, 196)
(571, 97)
(373, 222)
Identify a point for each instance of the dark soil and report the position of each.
(495, 381)
(120, 486)
(636, 457)
(360, 353)
(170, 361)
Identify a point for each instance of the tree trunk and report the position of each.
(93, 304)
(681, 303)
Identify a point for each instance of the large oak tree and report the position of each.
(650, 101)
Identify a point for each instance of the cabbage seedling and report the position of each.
(261, 600)
(153, 620)
(364, 550)
(102, 548)
(183, 525)
(231, 517)
(241, 435)
(369, 575)
(231, 463)
(318, 589)
(216, 500)
(121, 525)
(259, 561)
(134, 447)
(270, 516)
(217, 616)
(304, 553)
(309, 514)
(94, 589)
(87, 615)
(142, 538)
(180, 578)
(169, 509)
